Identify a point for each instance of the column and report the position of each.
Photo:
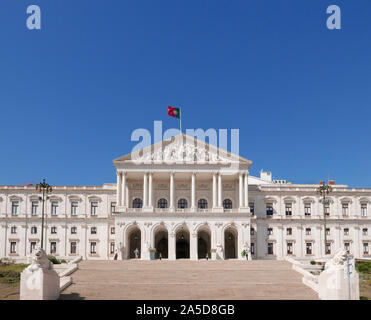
(145, 190)
(171, 246)
(171, 190)
(240, 197)
(220, 190)
(118, 190)
(193, 252)
(214, 190)
(246, 193)
(193, 191)
(123, 189)
(150, 187)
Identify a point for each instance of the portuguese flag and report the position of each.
(173, 112)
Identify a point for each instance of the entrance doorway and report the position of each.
(161, 242)
(134, 242)
(204, 243)
(230, 243)
(182, 243)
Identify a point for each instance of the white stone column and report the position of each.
(246, 190)
(214, 190)
(123, 190)
(172, 246)
(145, 190)
(171, 191)
(193, 191)
(193, 251)
(220, 195)
(150, 187)
(241, 197)
(118, 190)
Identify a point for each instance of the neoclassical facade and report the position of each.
(185, 199)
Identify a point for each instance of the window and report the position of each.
(251, 205)
(364, 210)
(93, 230)
(345, 209)
(112, 248)
(182, 204)
(365, 248)
(93, 247)
(162, 203)
(365, 231)
(308, 247)
(270, 248)
(34, 208)
(53, 247)
(13, 230)
(15, 207)
(288, 209)
(290, 248)
(33, 230)
(73, 230)
(227, 204)
(347, 247)
(289, 231)
(112, 230)
(252, 248)
(327, 210)
(74, 206)
(32, 246)
(346, 232)
(307, 209)
(327, 231)
(269, 231)
(54, 208)
(137, 203)
(53, 230)
(252, 231)
(328, 248)
(269, 209)
(202, 204)
(73, 247)
(113, 207)
(13, 247)
(94, 208)
(308, 231)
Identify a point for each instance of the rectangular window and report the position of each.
(94, 208)
(308, 231)
(269, 231)
(269, 209)
(307, 209)
(73, 230)
(93, 247)
(252, 248)
(251, 205)
(113, 207)
(328, 248)
(53, 247)
(54, 208)
(74, 206)
(363, 210)
(252, 231)
(73, 248)
(13, 230)
(327, 231)
(112, 248)
(270, 248)
(365, 248)
(34, 208)
(290, 248)
(15, 207)
(347, 247)
(13, 247)
(93, 230)
(365, 231)
(327, 210)
(288, 209)
(113, 230)
(308, 247)
(346, 232)
(33, 230)
(289, 231)
(32, 246)
(53, 230)
(345, 209)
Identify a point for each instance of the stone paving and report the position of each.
(185, 279)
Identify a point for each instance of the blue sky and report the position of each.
(72, 93)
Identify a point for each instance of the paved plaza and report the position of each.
(185, 279)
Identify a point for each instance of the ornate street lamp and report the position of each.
(45, 189)
(324, 190)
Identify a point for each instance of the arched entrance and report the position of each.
(204, 243)
(230, 243)
(182, 243)
(161, 242)
(134, 242)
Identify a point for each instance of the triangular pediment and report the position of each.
(182, 149)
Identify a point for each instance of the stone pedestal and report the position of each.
(42, 284)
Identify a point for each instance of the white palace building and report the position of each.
(186, 200)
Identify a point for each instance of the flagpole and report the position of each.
(180, 122)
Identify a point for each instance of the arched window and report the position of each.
(137, 203)
(162, 203)
(202, 204)
(227, 204)
(182, 204)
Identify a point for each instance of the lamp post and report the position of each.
(45, 189)
(324, 189)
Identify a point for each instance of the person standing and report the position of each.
(136, 253)
(160, 256)
(116, 254)
(247, 254)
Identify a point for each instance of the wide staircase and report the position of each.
(185, 279)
